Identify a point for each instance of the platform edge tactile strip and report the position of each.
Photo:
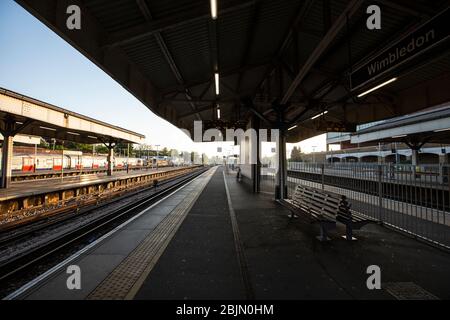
(124, 281)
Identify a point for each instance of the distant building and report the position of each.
(419, 138)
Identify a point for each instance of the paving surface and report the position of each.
(201, 261)
(285, 261)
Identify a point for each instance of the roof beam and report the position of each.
(223, 73)
(293, 31)
(205, 91)
(299, 116)
(402, 8)
(198, 100)
(340, 22)
(213, 46)
(334, 79)
(295, 26)
(197, 111)
(249, 104)
(333, 82)
(149, 28)
(166, 53)
(249, 42)
(326, 15)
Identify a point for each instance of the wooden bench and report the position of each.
(327, 209)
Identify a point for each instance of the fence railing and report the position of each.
(414, 199)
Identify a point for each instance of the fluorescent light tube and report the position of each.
(377, 87)
(216, 78)
(213, 9)
(319, 115)
(47, 128)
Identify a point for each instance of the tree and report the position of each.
(100, 149)
(296, 154)
(164, 152)
(122, 148)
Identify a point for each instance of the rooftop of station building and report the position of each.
(430, 125)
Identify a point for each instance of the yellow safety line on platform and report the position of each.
(127, 278)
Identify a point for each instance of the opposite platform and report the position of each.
(34, 187)
(30, 200)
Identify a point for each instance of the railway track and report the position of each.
(19, 176)
(43, 211)
(101, 225)
(21, 231)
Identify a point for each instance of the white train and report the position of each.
(27, 163)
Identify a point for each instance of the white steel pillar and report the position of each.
(10, 128)
(7, 154)
(110, 160)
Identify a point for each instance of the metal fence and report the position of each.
(414, 199)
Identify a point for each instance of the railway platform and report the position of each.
(47, 174)
(34, 187)
(31, 198)
(215, 239)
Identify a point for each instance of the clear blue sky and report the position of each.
(36, 62)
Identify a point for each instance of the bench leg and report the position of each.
(323, 234)
(293, 215)
(349, 233)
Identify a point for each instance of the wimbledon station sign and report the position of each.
(434, 32)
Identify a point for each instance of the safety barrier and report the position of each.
(413, 199)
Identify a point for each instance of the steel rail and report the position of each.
(22, 231)
(33, 256)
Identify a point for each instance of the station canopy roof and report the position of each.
(45, 120)
(429, 126)
(290, 55)
(24, 139)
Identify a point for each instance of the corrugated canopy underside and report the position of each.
(260, 48)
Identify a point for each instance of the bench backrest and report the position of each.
(321, 203)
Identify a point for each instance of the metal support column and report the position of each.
(414, 160)
(110, 159)
(7, 153)
(128, 158)
(281, 188)
(256, 167)
(35, 158)
(443, 166)
(62, 161)
(258, 163)
(9, 129)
